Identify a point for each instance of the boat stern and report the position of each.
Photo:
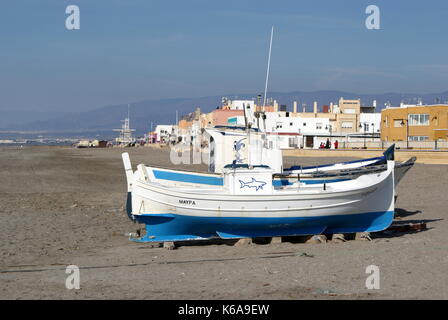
(129, 181)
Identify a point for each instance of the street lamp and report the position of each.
(373, 132)
(407, 131)
(329, 127)
(364, 133)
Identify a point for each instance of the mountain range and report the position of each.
(101, 121)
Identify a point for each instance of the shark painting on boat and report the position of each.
(253, 184)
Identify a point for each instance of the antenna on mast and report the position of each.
(129, 119)
(267, 72)
(246, 125)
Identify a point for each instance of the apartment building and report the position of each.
(297, 129)
(415, 123)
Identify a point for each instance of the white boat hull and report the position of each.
(172, 213)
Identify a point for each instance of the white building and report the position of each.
(164, 132)
(291, 131)
(370, 123)
(240, 104)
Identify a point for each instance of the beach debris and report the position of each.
(304, 254)
(269, 271)
(328, 292)
(319, 238)
(338, 237)
(276, 240)
(169, 245)
(243, 242)
(130, 235)
(73, 205)
(363, 236)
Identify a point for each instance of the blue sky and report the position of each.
(132, 50)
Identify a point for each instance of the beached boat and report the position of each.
(187, 178)
(316, 177)
(355, 164)
(248, 204)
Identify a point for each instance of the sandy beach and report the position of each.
(62, 206)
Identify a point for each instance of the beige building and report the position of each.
(415, 123)
(344, 117)
(348, 116)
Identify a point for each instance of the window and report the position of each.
(418, 138)
(418, 119)
(366, 127)
(347, 124)
(349, 110)
(398, 123)
(318, 125)
(293, 142)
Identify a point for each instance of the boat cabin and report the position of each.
(245, 179)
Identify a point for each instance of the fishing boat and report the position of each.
(248, 204)
(324, 176)
(185, 178)
(355, 164)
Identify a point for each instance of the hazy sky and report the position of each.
(131, 50)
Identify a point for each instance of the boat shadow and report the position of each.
(208, 242)
(402, 213)
(386, 234)
(401, 226)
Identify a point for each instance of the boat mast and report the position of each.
(267, 72)
(246, 124)
(129, 119)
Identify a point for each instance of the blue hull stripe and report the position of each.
(173, 227)
(218, 181)
(317, 181)
(186, 177)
